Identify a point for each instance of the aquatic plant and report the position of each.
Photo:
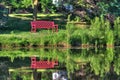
(116, 31)
(109, 36)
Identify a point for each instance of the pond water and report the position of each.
(79, 64)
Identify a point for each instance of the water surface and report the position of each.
(80, 64)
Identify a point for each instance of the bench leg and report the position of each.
(33, 30)
(53, 29)
(56, 28)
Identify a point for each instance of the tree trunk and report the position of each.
(39, 76)
(36, 75)
(35, 3)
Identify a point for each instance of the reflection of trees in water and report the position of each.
(4, 71)
(100, 64)
(81, 63)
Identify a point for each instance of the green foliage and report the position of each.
(117, 64)
(101, 62)
(109, 36)
(47, 6)
(95, 64)
(112, 7)
(117, 30)
(17, 3)
(103, 8)
(26, 3)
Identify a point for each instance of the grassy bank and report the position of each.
(17, 33)
(27, 39)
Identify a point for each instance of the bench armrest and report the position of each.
(55, 25)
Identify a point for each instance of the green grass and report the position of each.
(28, 39)
(17, 33)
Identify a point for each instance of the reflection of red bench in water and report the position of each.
(43, 24)
(42, 64)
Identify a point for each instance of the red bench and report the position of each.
(43, 24)
(42, 64)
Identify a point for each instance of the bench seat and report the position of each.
(43, 24)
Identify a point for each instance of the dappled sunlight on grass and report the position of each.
(29, 16)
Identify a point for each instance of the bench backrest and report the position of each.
(42, 24)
